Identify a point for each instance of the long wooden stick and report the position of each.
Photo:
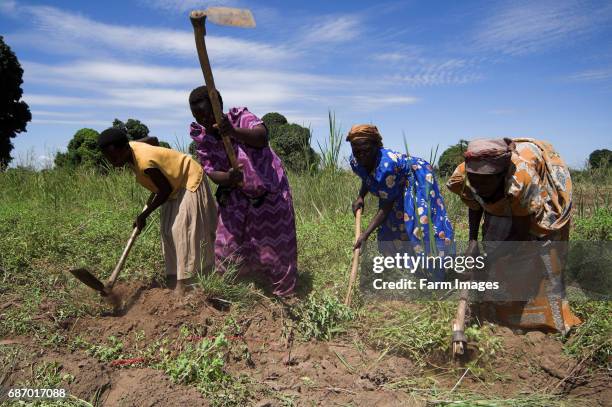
(199, 32)
(111, 281)
(355, 263)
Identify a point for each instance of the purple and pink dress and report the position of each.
(256, 222)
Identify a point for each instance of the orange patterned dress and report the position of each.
(538, 185)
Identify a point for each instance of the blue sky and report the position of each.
(434, 71)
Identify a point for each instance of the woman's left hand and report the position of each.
(362, 238)
(226, 127)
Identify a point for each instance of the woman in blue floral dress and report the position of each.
(411, 210)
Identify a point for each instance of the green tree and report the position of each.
(291, 142)
(601, 159)
(451, 158)
(82, 151)
(134, 128)
(14, 113)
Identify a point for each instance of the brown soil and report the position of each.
(339, 372)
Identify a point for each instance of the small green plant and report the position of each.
(322, 317)
(488, 346)
(201, 363)
(415, 331)
(107, 353)
(593, 338)
(226, 286)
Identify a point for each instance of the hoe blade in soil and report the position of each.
(89, 280)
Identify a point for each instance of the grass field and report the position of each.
(52, 221)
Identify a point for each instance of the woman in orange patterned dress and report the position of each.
(524, 190)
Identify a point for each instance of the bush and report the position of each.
(134, 128)
(600, 158)
(451, 158)
(82, 151)
(291, 142)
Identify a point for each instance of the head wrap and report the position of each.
(114, 136)
(488, 156)
(364, 132)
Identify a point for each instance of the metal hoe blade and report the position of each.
(89, 280)
(235, 17)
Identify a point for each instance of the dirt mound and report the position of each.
(152, 312)
(282, 369)
(148, 387)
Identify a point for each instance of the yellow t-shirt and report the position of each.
(181, 170)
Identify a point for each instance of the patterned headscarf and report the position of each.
(488, 156)
(364, 132)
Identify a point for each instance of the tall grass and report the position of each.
(330, 150)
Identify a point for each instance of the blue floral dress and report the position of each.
(418, 215)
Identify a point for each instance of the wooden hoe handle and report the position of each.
(355, 263)
(199, 32)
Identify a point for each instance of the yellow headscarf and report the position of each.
(364, 132)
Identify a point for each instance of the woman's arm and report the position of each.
(164, 189)
(149, 140)
(474, 217)
(255, 137)
(378, 220)
(359, 202)
(230, 178)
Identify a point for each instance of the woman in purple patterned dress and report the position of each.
(256, 222)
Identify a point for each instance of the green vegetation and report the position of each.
(593, 339)
(451, 158)
(14, 112)
(135, 129)
(51, 221)
(82, 151)
(291, 142)
(322, 316)
(107, 352)
(83, 148)
(419, 331)
(600, 158)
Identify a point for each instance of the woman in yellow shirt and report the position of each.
(180, 187)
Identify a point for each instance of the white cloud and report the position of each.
(592, 75)
(527, 26)
(332, 30)
(55, 30)
(8, 7)
(81, 123)
(379, 101)
(425, 72)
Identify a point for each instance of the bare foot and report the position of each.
(171, 282)
(180, 288)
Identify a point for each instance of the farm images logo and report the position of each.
(428, 268)
(491, 271)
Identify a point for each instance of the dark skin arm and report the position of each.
(230, 178)
(164, 190)
(255, 137)
(359, 201)
(474, 218)
(378, 220)
(149, 140)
